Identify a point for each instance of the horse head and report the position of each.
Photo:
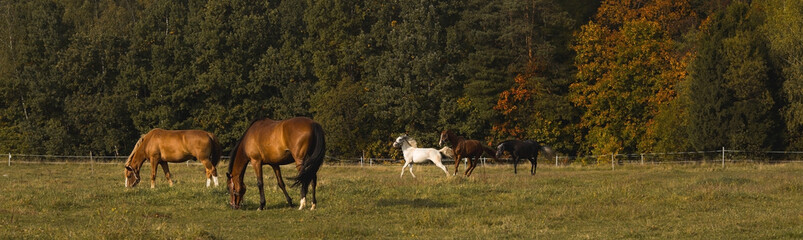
(236, 191)
(400, 140)
(500, 149)
(131, 176)
(445, 136)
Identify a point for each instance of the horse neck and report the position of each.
(137, 157)
(455, 139)
(507, 145)
(238, 164)
(406, 146)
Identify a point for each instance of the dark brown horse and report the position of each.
(471, 149)
(275, 143)
(162, 146)
(523, 149)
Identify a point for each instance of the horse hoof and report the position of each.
(313, 207)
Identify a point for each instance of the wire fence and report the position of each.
(721, 156)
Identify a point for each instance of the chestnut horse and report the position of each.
(275, 143)
(162, 146)
(471, 149)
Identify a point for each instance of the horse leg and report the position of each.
(515, 163)
(278, 172)
(211, 172)
(470, 166)
(440, 165)
(534, 163)
(403, 167)
(411, 170)
(154, 164)
(260, 184)
(304, 187)
(474, 163)
(167, 172)
(314, 186)
(457, 159)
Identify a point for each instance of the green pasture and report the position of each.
(742, 201)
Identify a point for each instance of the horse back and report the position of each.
(180, 145)
(469, 148)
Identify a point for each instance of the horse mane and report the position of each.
(233, 153)
(412, 142)
(135, 149)
(507, 141)
(457, 138)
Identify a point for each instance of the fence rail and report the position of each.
(722, 156)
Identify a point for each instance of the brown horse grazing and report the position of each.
(296, 140)
(471, 149)
(162, 146)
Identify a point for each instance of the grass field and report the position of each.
(750, 201)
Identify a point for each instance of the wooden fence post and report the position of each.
(612, 164)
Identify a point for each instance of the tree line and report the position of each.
(585, 76)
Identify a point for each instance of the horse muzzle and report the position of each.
(131, 183)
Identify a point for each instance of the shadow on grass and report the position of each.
(253, 206)
(416, 203)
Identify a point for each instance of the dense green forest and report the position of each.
(585, 76)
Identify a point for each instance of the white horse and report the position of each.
(413, 154)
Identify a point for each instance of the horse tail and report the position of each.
(216, 149)
(548, 150)
(490, 151)
(447, 152)
(314, 158)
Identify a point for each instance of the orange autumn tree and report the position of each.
(509, 106)
(627, 70)
(537, 108)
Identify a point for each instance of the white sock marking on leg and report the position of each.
(301, 203)
(215, 178)
(208, 181)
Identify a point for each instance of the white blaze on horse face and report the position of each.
(302, 203)
(126, 182)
